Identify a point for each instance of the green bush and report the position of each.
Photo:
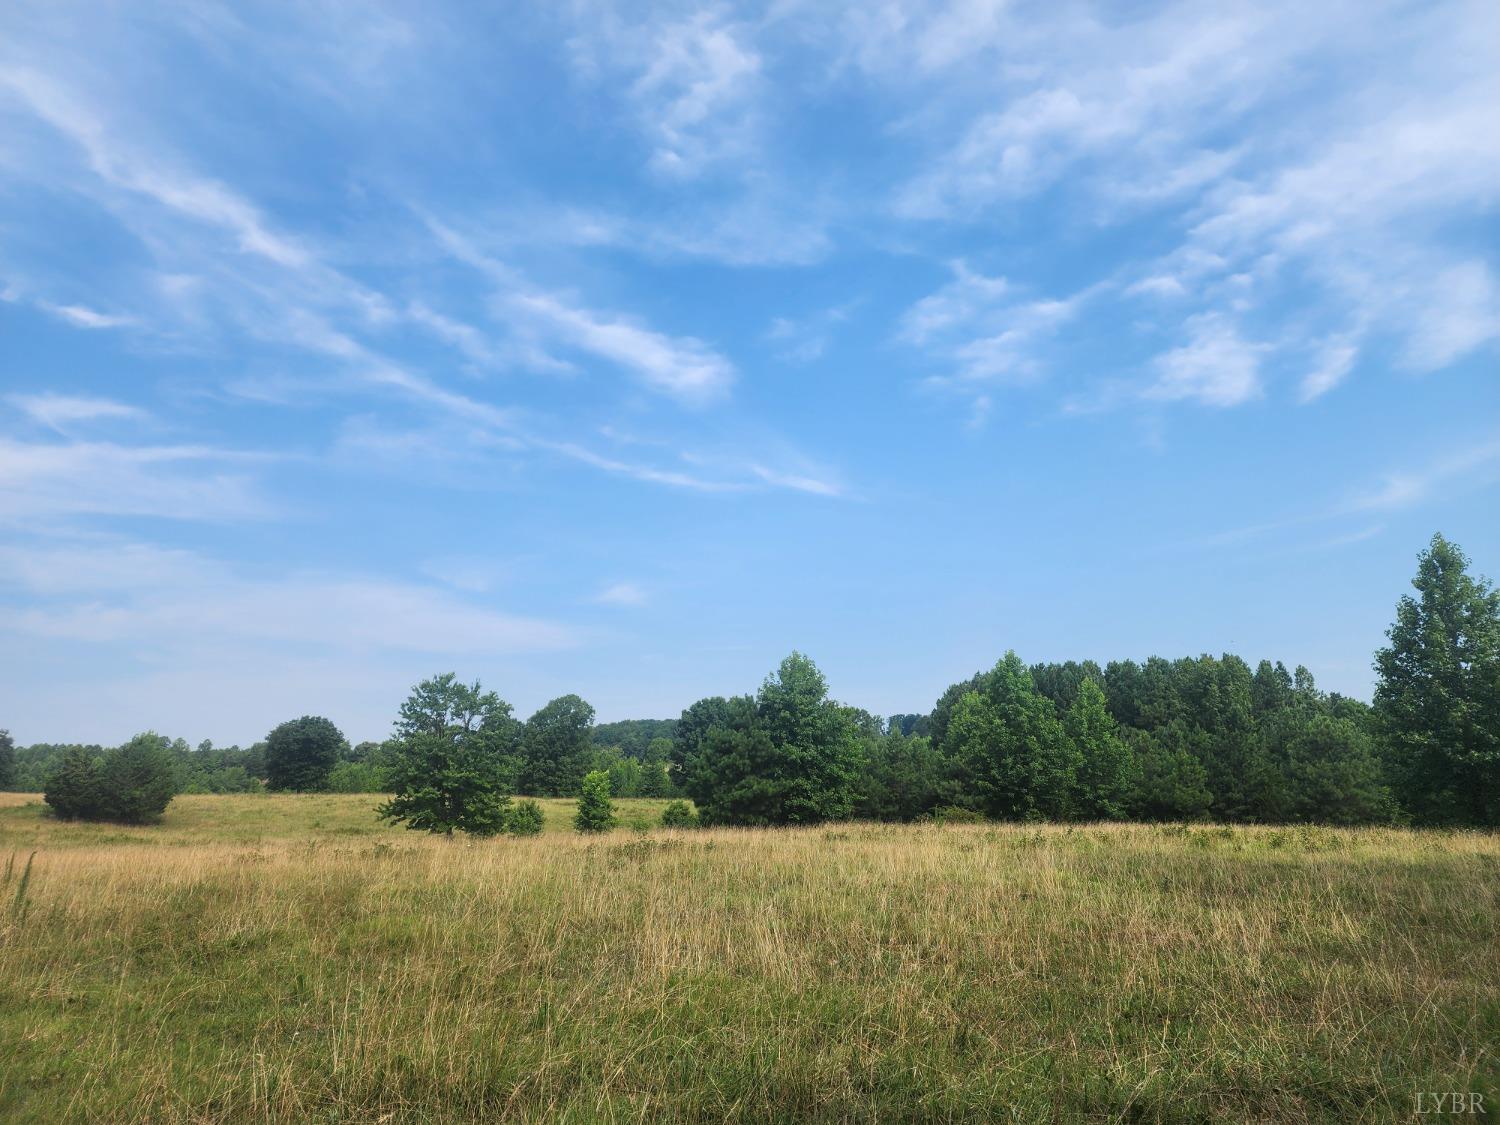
(525, 819)
(131, 785)
(74, 790)
(679, 814)
(357, 777)
(596, 812)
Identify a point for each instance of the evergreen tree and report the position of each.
(1437, 700)
(1333, 776)
(1271, 690)
(452, 759)
(903, 778)
(301, 753)
(1106, 768)
(75, 788)
(691, 733)
(138, 781)
(596, 812)
(1170, 781)
(1016, 762)
(556, 748)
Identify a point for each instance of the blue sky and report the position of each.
(622, 349)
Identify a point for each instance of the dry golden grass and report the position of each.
(852, 972)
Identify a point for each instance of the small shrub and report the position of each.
(956, 814)
(596, 812)
(525, 819)
(679, 814)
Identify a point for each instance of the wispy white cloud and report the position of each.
(985, 330)
(81, 316)
(804, 339)
(1334, 361)
(1474, 465)
(112, 592)
(682, 367)
(694, 94)
(197, 198)
(56, 411)
(1215, 367)
(621, 594)
(51, 481)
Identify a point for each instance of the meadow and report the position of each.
(289, 958)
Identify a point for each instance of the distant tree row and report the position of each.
(1193, 738)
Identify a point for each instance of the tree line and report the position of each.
(1193, 738)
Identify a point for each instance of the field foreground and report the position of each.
(288, 958)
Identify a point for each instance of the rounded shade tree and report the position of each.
(452, 759)
(301, 753)
(557, 748)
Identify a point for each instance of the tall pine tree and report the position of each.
(1437, 701)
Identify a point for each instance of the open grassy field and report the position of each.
(289, 959)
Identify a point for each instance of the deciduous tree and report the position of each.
(452, 759)
(301, 753)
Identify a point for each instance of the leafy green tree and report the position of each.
(1060, 682)
(596, 812)
(74, 788)
(556, 749)
(632, 736)
(789, 756)
(942, 711)
(7, 761)
(1437, 700)
(1016, 761)
(301, 753)
(624, 773)
(452, 760)
(525, 819)
(654, 781)
(356, 777)
(367, 751)
(904, 778)
(679, 814)
(909, 725)
(1171, 783)
(1106, 768)
(139, 780)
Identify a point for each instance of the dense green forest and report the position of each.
(1195, 738)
